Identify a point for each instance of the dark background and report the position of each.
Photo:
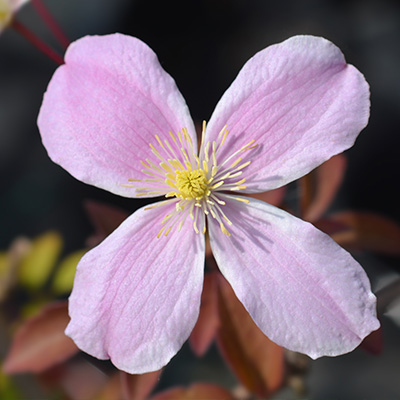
(203, 44)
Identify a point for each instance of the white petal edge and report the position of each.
(304, 291)
(301, 104)
(136, 298)
(103, 108)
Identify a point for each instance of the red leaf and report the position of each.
(138, 387)
(112, 389)
(368, 231)
(79, 379)
(257, 362)
(373, 343)
(325, 182)
(198, 391)
(330, 226)
(105, 219)
(82, 380)
(274, 197)
(40, 342)
(206, 327)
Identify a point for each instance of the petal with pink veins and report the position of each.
(103, 108)
(303, 291)
(301, 104)
(136, 298)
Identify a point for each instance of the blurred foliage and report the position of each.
(8, 389)
(35, 274)
(38, 264)
(65, 273)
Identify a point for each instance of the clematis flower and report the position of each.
(7, 10)
(113, 118)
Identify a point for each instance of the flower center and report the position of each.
(194, 182)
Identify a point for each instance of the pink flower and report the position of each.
(115, 119)
(7, 10)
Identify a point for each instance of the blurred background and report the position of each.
(203, 45)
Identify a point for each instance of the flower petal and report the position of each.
(103, 108)
(303, 291)
(17, 4)
(136, 298)
(300, 103)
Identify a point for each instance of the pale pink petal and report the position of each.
(103, 108)
(136, 298)
(301, 104)
(303, 291)
(17, 4)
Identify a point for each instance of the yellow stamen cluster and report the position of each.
(196, 182)
(192, 184)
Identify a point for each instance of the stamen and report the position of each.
(236, 188)
(203, 134)
(160, 233)
(206, 152)
(148, 172)
(214, 155)
(148, 193)
(236, 162)
(223, 229)
(166, 167)
(224, 138)
(161, 203)
(154, 166)
(171, 149)
(167, 217)
(195, 182)
(156, 153)
(177, 164)
(145, 165)
(235, 175)
(195, 221)
(217, 185)
(240, 199)
(244, 165)
(160, 142)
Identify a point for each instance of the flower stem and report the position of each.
(37, 42)
(51, 23)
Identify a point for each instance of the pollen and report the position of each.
(191, 184)
(197, 183)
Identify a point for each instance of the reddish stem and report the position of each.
(51, 22)
(37, 42)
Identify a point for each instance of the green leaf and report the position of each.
(10, 262)
(8, 390)
(64, 276)
(37, 265)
